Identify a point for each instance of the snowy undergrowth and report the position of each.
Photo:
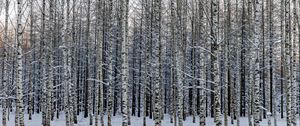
(135, 121)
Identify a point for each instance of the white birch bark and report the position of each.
(227, 25)
(202, 91)
(89, 83)
(49, 68)
(124, 66)
(110, 67)
(294, 83)
(147, 74)
(73, 55)
(238, 72)
(69, 85)
(288, 63)
(238, 87)
(19, 81)
(156, 61)
(33, 66)
(66, 58)
(215, 62)
(43, 65)
(173, 66)
(193, 42)
(5, 71)
(257, 14)
(99, 86)
(179, 62)
(273, 97)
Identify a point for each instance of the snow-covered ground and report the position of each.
(135, 121)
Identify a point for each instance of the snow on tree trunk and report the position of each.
(251, 73)
(69, 83)
(147, 64)
(173, 74)
(33, 66)
(227, 29)
(193, 67)
(43, 65)
(88, 62)
(110, 63)
(179, 65)
(288, 63)
(215, 62)
(238, 73)
(73, 55)
(99, 86)
(19, 81)
(156, 61)
(124, 67)
(257, 18)
(272, 103)
(294, 82)
(65, 67)
(49, 70)
(5, 71)
(202, 91)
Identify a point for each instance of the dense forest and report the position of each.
(150, 62)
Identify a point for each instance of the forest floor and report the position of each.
(135, 121)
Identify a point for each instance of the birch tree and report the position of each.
(282, 55)
(215, 48)
(293, 65)
(110, 67)
(179, 54)
(73, 51)
(185, 58)
(271, 60)
(99, 87)
(202, 92)
(156, 60)
(5, 71)
(173, 74)
(66, 61)
(288, 63)
(124, 67)
(33, 66)
(49, 70)
(70, 84)
(227, 24)
(257, 15)
(19, 99)
(43, 63)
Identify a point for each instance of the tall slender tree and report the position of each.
(49, 67)
(156, 60)
(255, 60)
(99, 86)
(179, 54)
(215, 48)
(124, 67)
(5, 71)
(19, 82)
(288, 63)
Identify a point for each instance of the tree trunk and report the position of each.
(43, 65)
(49, 70)
(156, 60)
(5, 71)
(255, 60)
(124, 67)
(288, 63)
(215, 62)
(19, 81)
